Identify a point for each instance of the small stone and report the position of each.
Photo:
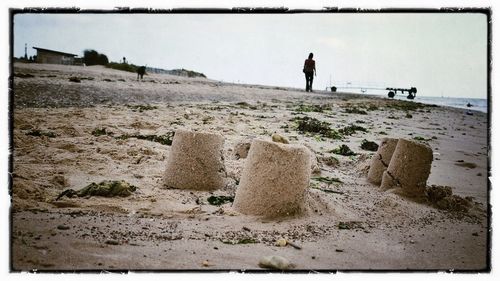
(205, 263)
(339, 250)
(112, 242)
(275, 262)
(412, 241)
(63, 227)
(279, 138)
(475, 234)
(281, 242)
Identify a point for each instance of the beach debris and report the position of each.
(165, 139)
(381, 160)
(104, 188)
(327, 180)
(282, 242)
(205, 263)
(343, 150)
(75, 79)
(331, 161)
(349, 225)
(246, 240)
(246, 228)
(339, 250)
(408, 115)
(219, 200)
(195, 161)
(101, 132)
(245, 105)
(23, 75)
(279, 138)
(469, 112)
(421, 139)
(38, 133)
(407, 105)
(355, 110)
(409, 168)
(466, 164)
(312, 107)
(352, 129)
(142, 108)
(442, 197)
(112, 242)
(369, 145)
(63, 227)
(274, 180)
(308, 124)
(275, 262)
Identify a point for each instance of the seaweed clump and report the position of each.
(219, 200)
(343, 150)
(163, 139)
(308, 124)
(38, 133)
(104, 188)
(369, 145)
(351, 129)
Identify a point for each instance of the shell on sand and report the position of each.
(381, 160)
(409, 168)
(274, 180)
(195, 161)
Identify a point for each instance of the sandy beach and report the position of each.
(109, 126)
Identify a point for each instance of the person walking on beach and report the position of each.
(309, 70)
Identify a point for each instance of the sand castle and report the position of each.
(409, 168)
(195, 161)
(274, 180)
(381, 160)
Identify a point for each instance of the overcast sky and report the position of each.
(441, 54)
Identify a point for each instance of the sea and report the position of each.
(476, 104)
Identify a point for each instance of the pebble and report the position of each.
(63, 227)
(275, 262)
(339, 250)
(112, 242)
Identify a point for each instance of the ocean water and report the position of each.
(477, 104)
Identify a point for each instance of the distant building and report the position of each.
(53, 57)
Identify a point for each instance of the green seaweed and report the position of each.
(101, 132)
(327, 180)
(219, 200)
(369, 145)
(355, 110)
(308, 124)
(142, 108)
(38, 133)
(104, 188)
(312, 107)
(343, 150)
(351, 129)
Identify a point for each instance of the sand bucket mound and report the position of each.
(381, 160)
(275, 180)
(409, 168)
(196, 161)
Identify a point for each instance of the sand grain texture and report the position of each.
(274, 181)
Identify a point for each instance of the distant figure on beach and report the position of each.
(309, 70)
(469, 105)
(141, 71)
